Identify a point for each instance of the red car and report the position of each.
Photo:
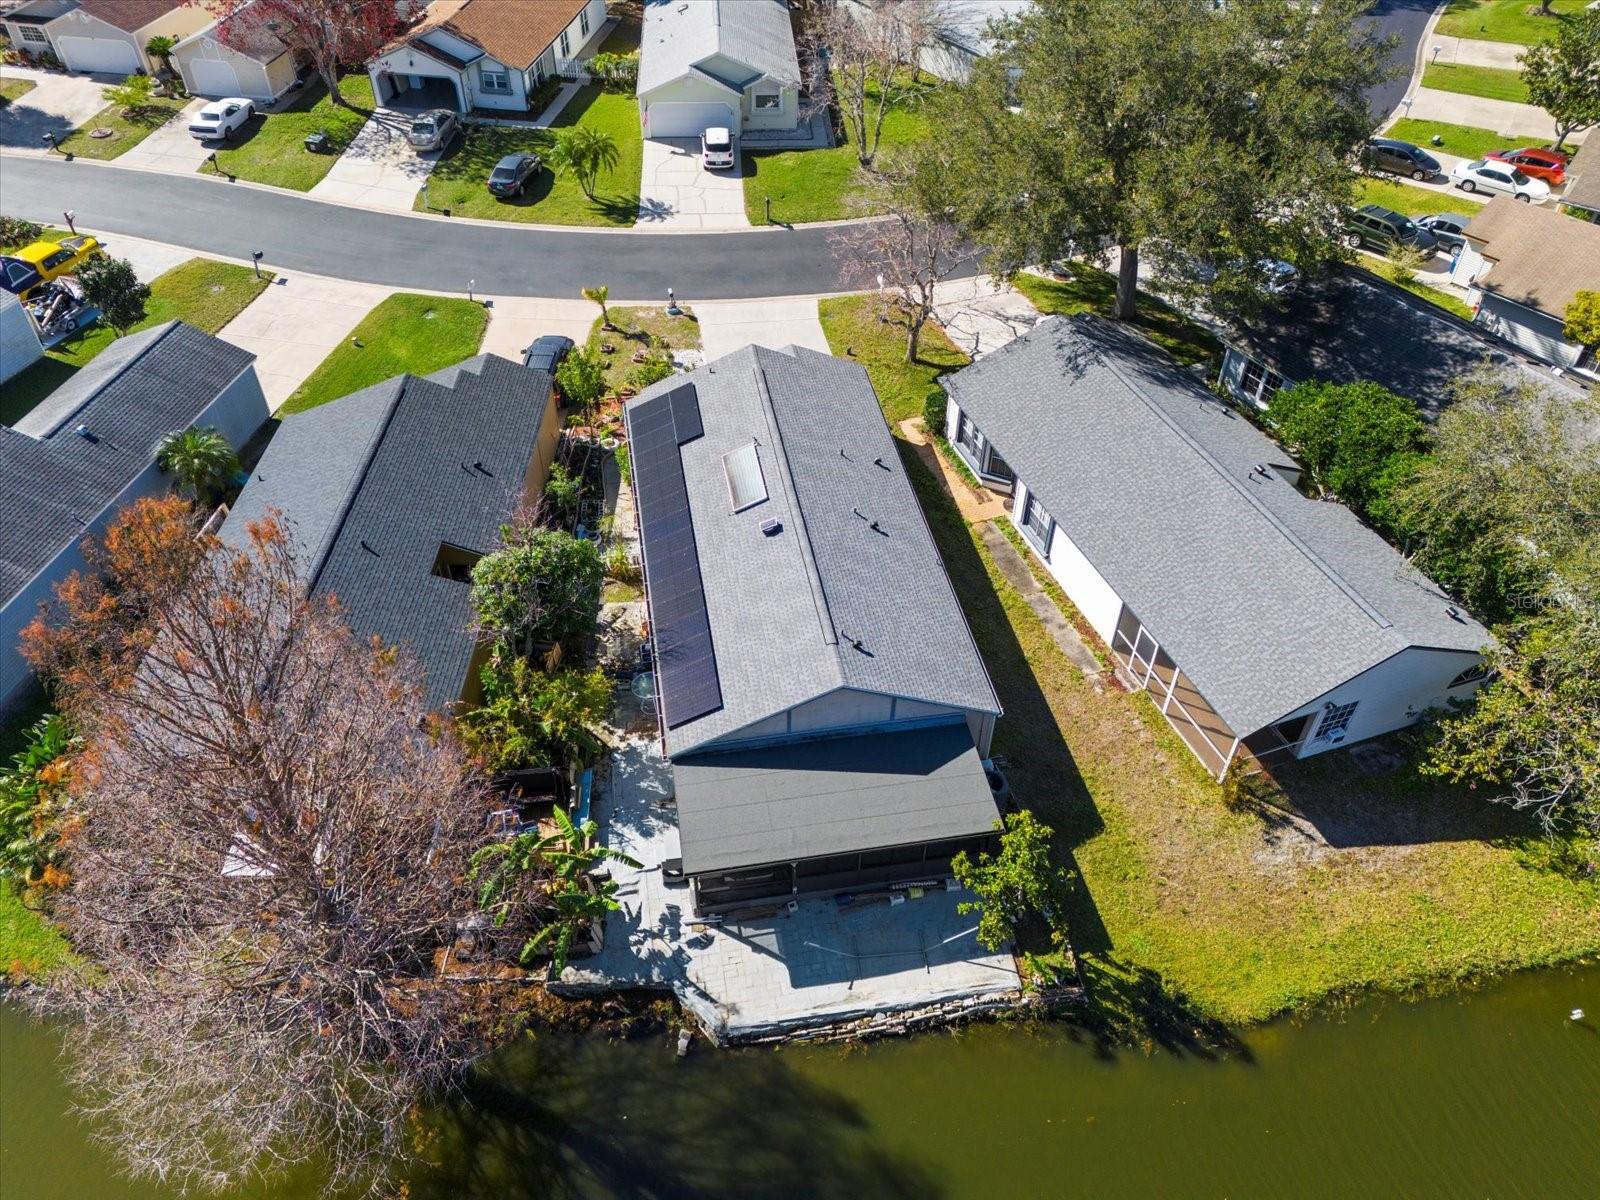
(1548, 165)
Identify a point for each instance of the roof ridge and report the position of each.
(164, 332)
(357, 479)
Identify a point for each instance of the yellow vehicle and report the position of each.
(30, 268)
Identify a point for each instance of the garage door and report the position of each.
(682, 119)
(209, 77)
(99, 54)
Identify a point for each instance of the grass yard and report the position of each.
(640, 328)
(29, 945)
(1094, 290)
(1413, 201)
(1448, 301)
(1505, 20)
(458, 182)
(816, 185)
(1464, 141)
(128, 131)
(405, 333)
(855, 331)
(14, 89)
(203, 292)
(1186, 911)
(1489, 82)
(272, 147)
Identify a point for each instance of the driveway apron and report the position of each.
(729, 325)
(676, 192)
(171, 148)
(379, 169)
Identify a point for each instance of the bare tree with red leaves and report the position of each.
(331, 33)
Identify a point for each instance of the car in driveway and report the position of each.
(1535, 162)
(1383, 229)
(433, 130)
(547, 352)
(716, 149)
(511, 174)
(36, 264)
(1448, 229)
(1401, 158)
(1487, 175)
(221, 118)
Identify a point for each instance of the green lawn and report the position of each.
(1489, 82)
(29, 945)
(1504, 20)
(406, 333)
(271, 149)
(128, 131)
(203, 292)
(1188, 911)
(458, 182)
(816, 185)
(644, 327)
(854, 331)
(1094, 290)
(1464, 141)
(1413, 201)
(14, 89)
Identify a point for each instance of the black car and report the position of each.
(1448, 229)
(1401, 158)
(511, 174)
(1382, 229)
(546, 353)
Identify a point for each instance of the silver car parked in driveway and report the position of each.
(434, 130)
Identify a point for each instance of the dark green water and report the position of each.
(1490, 1093)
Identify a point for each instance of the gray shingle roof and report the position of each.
(1266, 599)
(678, 34)
(373, 484)
(782, 609)
(54, 484)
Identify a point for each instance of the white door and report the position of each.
(679, 118)
(99, 54)
(212, 77)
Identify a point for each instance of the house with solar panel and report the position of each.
(821, 701)
(1260, 620)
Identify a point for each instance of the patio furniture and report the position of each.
(644, 690)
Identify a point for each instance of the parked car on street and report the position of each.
(511, 174)
(716, 149)
(1382, 229)
(434, 130)
(221, 118)
(27, 271)
(1535, 162)
(547, 352)
(1401, 158)
(1448, 229)
(1487, 175)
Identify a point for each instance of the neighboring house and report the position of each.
(1350, 327)
(705, 64)
(392, 493)
(490, 54)
(1582, 194)
(1259, 620)
(19, 337)
(105, 36)
(1536, 261)
(961, 35)
(240, 57)
(821, 699)
(89, 448)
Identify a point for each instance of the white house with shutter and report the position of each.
(707, 64)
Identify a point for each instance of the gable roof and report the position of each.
(54, 483)
(965, 23)
(786, 611)
(514, 32)
(373, 484)
(1265, 598)
(244, 32)
(131, 15)
(1542, 257)
(679, 34)
(1583, 186)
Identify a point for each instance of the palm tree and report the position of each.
(599, 295)
(199, 459)
(584, 151)
(160, 46)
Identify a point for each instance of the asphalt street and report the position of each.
(1404, 20)
(299, 234)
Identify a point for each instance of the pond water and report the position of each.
(1493, 1092)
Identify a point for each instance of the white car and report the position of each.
(1490, 176)
(716, 149)
(220, 118)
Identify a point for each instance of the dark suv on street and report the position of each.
(1401, 158)
(1382, 229)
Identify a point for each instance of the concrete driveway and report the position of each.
(58, 104)
(676, 192)
(729, 325)
(982, 314)
(379, 169)
(171, 148)
(515, 321)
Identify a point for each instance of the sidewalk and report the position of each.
(1502, 116)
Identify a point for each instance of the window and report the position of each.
(1471, 675)
(583, 21)
(768, 100)
(1259, 384)
(746, 487)
(494, 81)
(969, 437)
(1336, 720)
(1037, 523)
(454, 563)
(31, 34)
(566, 44)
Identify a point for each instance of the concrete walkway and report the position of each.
(982, 314)
(1020, 576)
(729, 325)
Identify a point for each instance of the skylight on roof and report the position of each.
(746, 486)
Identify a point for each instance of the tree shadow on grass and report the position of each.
(1127, 1004)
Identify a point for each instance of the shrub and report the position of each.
(620, 565)
(623, 463)
(653, 369)
(1345, 434)
(582, 379)
(542, 586)
(14, 231)
(531, 719)
(33, 801)
(933, 413)
(113, 287)
(1023, 877)
(562, 490)
(616, 72)
(131, 95)
(1583, 319)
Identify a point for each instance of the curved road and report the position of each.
(297, 233)
(1404, 20)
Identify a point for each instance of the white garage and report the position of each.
(108, 55)
(678, 118)
(209, 77)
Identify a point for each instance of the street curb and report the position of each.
(1416, 65)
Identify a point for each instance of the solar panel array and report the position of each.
(686, 664)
